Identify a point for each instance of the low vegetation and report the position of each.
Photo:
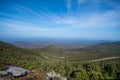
(69, 63)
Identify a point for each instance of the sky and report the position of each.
(84, 19)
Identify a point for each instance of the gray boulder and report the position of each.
(3, 73)
(17, 71)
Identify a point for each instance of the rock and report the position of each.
(33, 71)
(63, 78)
(3, 73)
(17, 71)
(5, 78)
(52, 75)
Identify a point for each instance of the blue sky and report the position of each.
(84, 19)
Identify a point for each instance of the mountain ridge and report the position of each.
(60, 43)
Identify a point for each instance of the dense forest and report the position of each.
(70, 63)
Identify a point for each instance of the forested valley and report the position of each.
(73, 64)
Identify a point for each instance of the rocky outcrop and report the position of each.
(14, 71)
(52, 75)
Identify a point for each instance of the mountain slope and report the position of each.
(102, 50)
(96, 51)
(90, 65)
(12, 55)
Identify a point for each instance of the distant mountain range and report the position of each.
(65, 43)
(98, 57)
(96, 51)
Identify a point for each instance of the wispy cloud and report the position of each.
(68, 6)
(81, 1)
(14, 25)
(105, 19)
(26, 19)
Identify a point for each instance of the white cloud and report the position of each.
(105, 19)
(14, 25)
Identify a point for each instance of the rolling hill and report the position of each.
(97, 62)
(87, 53)
(102, 50)
(12, 55)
